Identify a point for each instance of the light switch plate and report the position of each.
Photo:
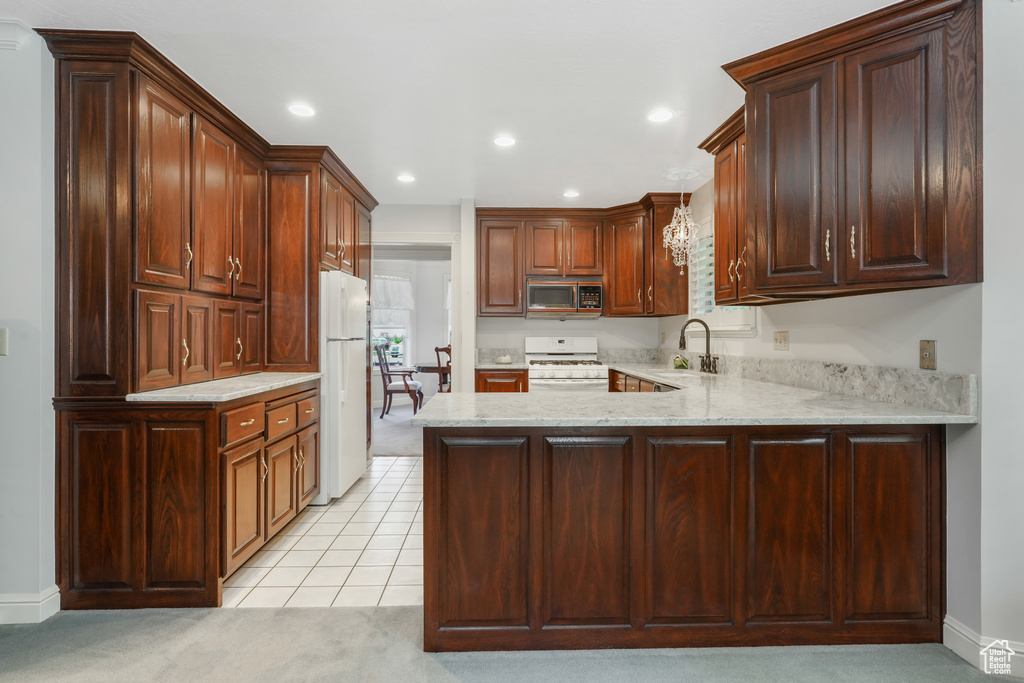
(927, 354)
(782, 340)
(3, 341)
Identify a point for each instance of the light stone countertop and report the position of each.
(701, 400)
(502, 366)
(220, 390)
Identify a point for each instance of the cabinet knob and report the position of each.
(239, 354)
(828, 251)
(853, 241)
(184, 361)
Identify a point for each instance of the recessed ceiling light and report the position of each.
(504, 141)
(301, 110)
(570, 194)
(659, 115)
(406, 178)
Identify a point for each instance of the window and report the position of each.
(391, 322)
(724, 321)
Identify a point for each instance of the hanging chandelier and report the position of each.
(680, 236)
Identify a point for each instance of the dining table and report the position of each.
(443, 372)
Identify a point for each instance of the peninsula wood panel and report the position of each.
(163, 180)
(789, 535)
(213, 263)
(895, 160)
(690, 529)
(475, 590)
(586, 538)
(94, 232)
(887, 481)
(794, 180)
(98, 505)
(175, 472)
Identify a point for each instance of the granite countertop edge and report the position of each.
(221, 390)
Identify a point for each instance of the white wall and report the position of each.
(1002, 464)
(422, 218)
(27, 563)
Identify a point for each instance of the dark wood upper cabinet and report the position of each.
(227, 335)
(252, 338)
(198, 340)
(337, 225)
(794, 178)
(499, 265)
(159, 340)
(544, 248)
(213, 265)
(895, 160)
(624, 265)
(582, 247)
(163, 172)
(249, 227)
(667, 289)
(364, 248)
(863, 167)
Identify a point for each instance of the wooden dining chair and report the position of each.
(397, 382)
(447, 364)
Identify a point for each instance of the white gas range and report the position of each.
(565, 363)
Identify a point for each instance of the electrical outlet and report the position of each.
(3, 341)
(927, 354)
(782, 340)
(662, 343)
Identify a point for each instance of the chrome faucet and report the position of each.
(708, 363)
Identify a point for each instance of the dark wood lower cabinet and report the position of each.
(158, 503)
(570, 538)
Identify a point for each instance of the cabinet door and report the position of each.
(544, 248)
(331, 209)
(583, 252)
(895, 103)
(159, 340)
(252, 338)
(499, 266)
(794, 178)
(744, 233)
(348, 233)
(249, 237)
(212, 205)
(789, 533)
(243, 475)
(163, 187)
(364, 249)
(624, 266)
(197, 323)
(500, 381)
(668, 288)
(309, 465)
(726, 223)
(228, 347)
(281, 487)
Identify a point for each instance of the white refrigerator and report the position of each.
(344, 313)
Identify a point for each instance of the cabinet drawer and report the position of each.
(280, 420)
(309, 410)
(241, 423)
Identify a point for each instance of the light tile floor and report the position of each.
(365, 548)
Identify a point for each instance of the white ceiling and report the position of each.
(423, 86)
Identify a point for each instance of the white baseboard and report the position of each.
(29, 608)
(967, 643)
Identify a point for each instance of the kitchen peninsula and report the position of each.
(727, 512)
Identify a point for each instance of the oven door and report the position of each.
(546, 384)
(550, 297)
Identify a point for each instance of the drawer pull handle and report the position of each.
(309, 410)
(263, 461)
(828, 251)
(184, 361)
(853, 241)
(238, 273)
(302, 459)
(231, 264)
(295, 457)
(247, 422)
(283, 420)
(188, 261)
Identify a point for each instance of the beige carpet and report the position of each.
(393, 435)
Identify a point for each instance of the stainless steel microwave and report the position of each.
(564, 299)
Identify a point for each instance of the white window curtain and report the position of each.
(392, 301)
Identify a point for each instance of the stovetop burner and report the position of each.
(565, 362)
